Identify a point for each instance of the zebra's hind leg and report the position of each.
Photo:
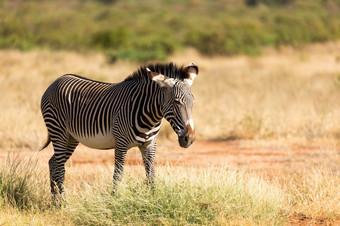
(148, 155)
(57, 173)
(62, 152)
(53, 183)
(72, 144)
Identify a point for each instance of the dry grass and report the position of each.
(25, 77)
(290, 95)
(181, 196)
(315, 193)
(223, 196)
(283, 97)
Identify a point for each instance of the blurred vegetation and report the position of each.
(152, 30)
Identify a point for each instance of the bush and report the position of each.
(236, 37)
(149, 49)
(293, 30)
(110, 38)
(154, 30)
(207, 42)
(269, 2)
(134, 55)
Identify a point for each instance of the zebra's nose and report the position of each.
(189, 138)
(186, 141)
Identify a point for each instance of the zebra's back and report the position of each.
(83, 108)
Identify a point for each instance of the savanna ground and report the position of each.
(267, 149)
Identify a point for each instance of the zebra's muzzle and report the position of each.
(186, 141)
(189, 138)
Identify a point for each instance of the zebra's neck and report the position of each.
(146, 106)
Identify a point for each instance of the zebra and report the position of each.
(117, 116)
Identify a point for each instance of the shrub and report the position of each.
(110, 38)
(134, 55)
(157, 29)
(235, 37)
(293, 30)
(149, 49)
(268, 2)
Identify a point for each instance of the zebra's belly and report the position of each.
(99, 141)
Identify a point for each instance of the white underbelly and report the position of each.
(99, 141)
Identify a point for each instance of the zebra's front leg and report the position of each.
(148, 154)
(120, 154)
(62, 152)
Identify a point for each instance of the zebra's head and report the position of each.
(178, 102)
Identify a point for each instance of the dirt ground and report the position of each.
(264, 158)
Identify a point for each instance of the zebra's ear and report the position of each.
(191, 73)
(161, 80)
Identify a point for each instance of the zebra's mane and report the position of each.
(170, 69)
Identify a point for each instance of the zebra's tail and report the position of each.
(48, 141)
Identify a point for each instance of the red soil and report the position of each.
(254, 156)
(261, 158)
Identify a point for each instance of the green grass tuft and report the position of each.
(181, 196)
(20, 186)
